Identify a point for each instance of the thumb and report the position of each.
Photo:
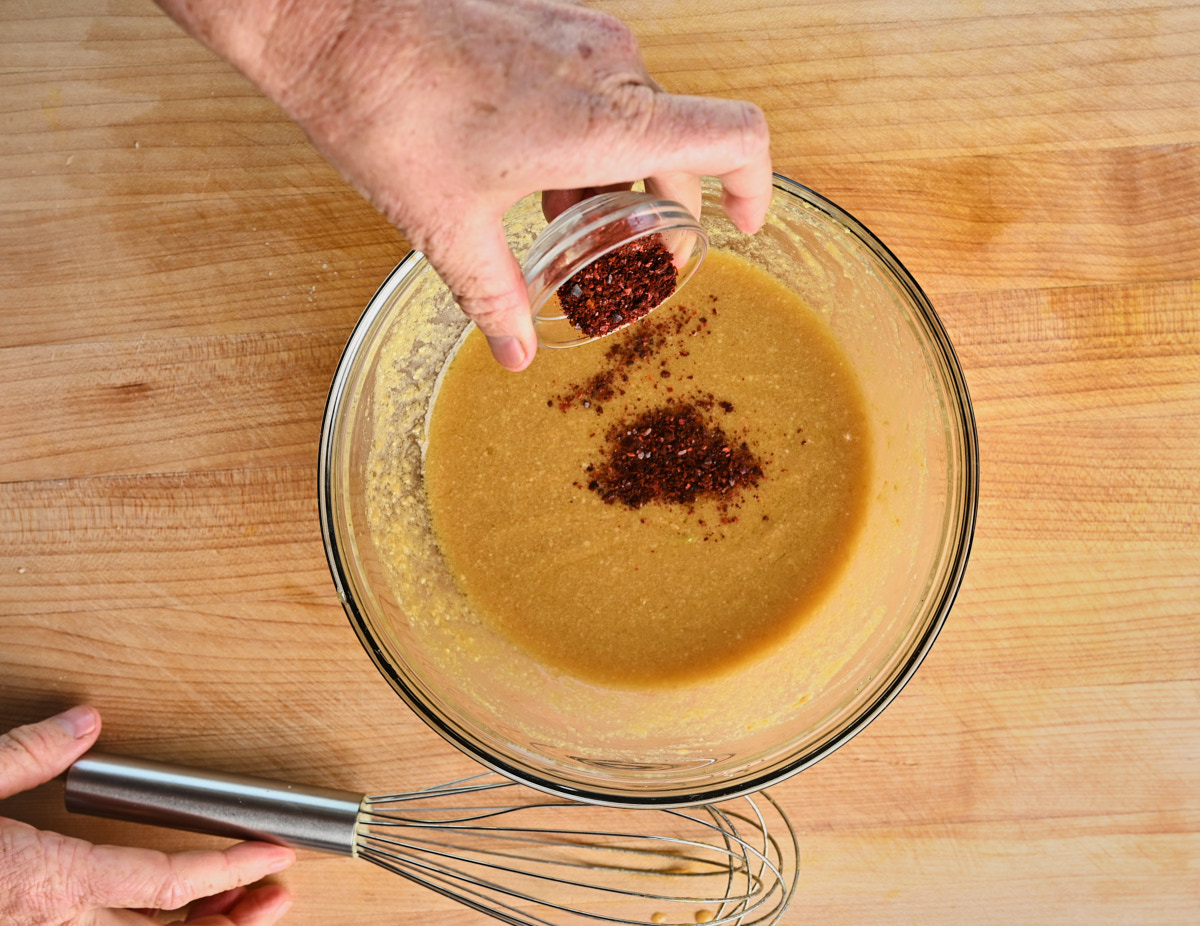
(480, 269)
(33, 754)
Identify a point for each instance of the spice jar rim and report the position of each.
(573, 241)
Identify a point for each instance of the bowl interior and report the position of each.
(712, 739)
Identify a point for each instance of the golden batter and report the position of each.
(662, 593)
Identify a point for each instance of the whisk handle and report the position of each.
(216, 803)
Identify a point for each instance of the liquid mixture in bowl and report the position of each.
(661, 505)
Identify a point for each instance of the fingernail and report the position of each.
(78, 722)
(280, 908)
(283, 861)
(508, 352)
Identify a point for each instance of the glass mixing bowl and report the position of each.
(711, 739)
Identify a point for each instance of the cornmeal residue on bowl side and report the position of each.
(638, 589)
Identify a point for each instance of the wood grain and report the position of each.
(181, 270)
(878, 80)
(118, 407)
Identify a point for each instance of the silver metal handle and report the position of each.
(216, 803)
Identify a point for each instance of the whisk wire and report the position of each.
(542, 860)
(472, 784)
(505, 862)
(483, 895)
(453, 887)
(469, 853)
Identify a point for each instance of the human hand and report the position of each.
(446, 112)
(49, 879)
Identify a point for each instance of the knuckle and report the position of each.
(755, 136)
(26, 875)
(178, 889)
(491, 312)
(173, 895)
(61, 872)
(24, 747)
(625, 104)
(175, 890)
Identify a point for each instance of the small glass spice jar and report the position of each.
(596, 228)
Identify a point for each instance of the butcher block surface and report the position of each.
(179, 271)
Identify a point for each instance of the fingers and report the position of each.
(33, 754)
(260, 907)
(687, 135)
(478, 266)
(681, 138)
(217, 904)
(556, 202)
(678, 187)
(115, 876)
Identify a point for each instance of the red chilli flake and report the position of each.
(674, 454)
(633, 348)
(619, 287)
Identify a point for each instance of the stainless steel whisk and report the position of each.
(500, 848)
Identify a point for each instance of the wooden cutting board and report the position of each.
(180, 271)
